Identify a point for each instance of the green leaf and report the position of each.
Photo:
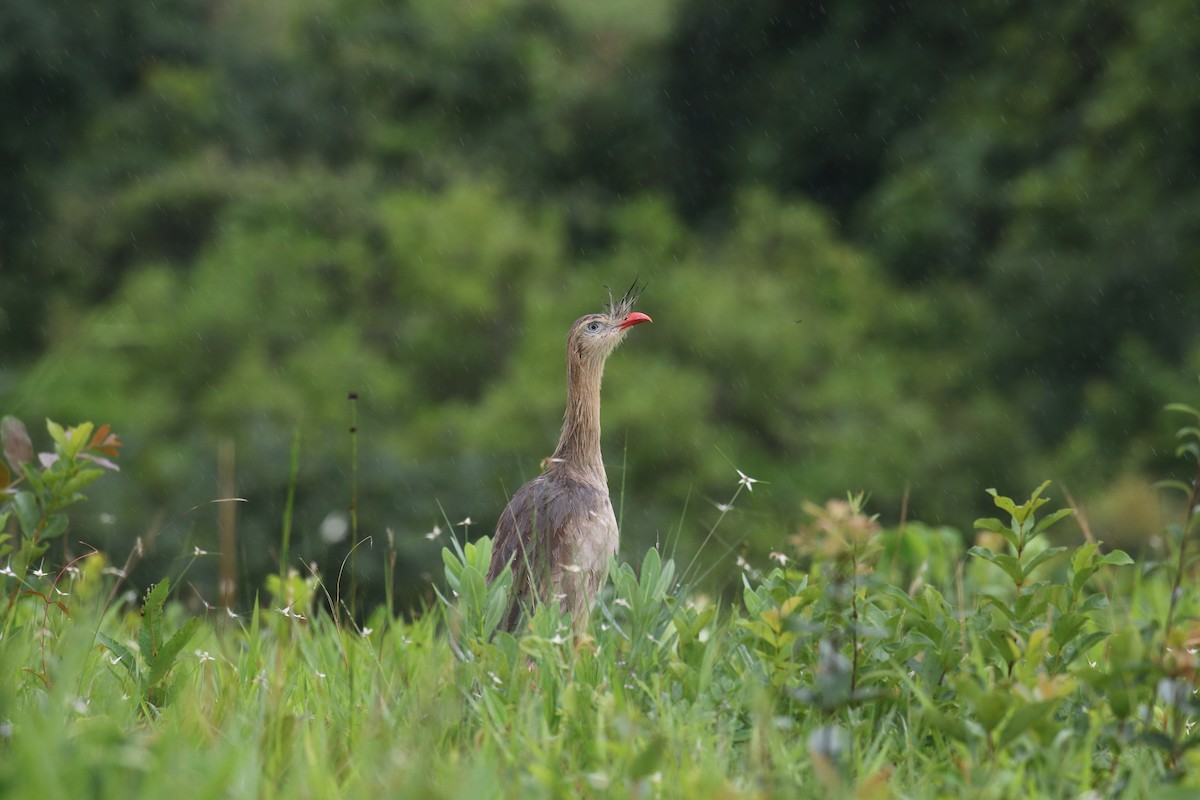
(1083, 555)
(77, 439)
(1046, 522)
(991, 524)
(646, 762)
(165, 658)
(1004, 503)
(1038, 492)
(1067, 627)
(1024, 718)
(57, 433)
(1182, 408)
(80, 481)
(1039, 559)
(1000, 605)
(123, 654)
(56, 525)
(1010, 565)
(28, 513)
(1093, 602)
(150, 639)
(1179, 486)
(1117, 558)
(950, 726)
(990, 707)
(1190, 430)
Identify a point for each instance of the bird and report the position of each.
(558, 532)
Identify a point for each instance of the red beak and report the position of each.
(633, 318)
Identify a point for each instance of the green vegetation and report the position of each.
(863, 663)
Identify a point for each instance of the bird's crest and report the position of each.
(618, 309)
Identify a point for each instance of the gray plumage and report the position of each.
(558, 531)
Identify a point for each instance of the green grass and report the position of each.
(885, 665)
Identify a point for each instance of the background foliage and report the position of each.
(913, 250)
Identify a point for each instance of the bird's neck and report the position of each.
(579, 444)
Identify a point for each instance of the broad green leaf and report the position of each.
(1000, 605)
(81, 480)
(1067, 626)
(1046, 522)
(950, 726)
(1117, 558)
(165, 658)
(1039, 559)
(1093, 602)
(77, 438)
(991, 524)
(1004, 503)
(56, 525)
(1010, 565)
(57, 433)
(1037, 493)
(991, 706)
(1083, 555)
(28, 513)
(646, 762)
(1022, 719)
(123, 654)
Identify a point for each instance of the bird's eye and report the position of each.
(593, 326)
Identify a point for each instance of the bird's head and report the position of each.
(594, 336)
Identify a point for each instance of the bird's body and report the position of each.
(558, 531)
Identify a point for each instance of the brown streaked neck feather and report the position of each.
(579, 444)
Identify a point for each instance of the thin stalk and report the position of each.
(287, 513)
(353, 397)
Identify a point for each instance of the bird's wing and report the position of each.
(540, 534)
(516, 544)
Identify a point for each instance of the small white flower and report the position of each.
(232, 615)
(742, 563)
(435, 533)
(558, 639)
(724, 508)
(8, 571)
(120, 573)
(465, 522)
(780, 557)
(39, 573)
(746, 480)
(367, 631)
(198, 552)
(621, 601)
(319, 673)
(204, 655)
